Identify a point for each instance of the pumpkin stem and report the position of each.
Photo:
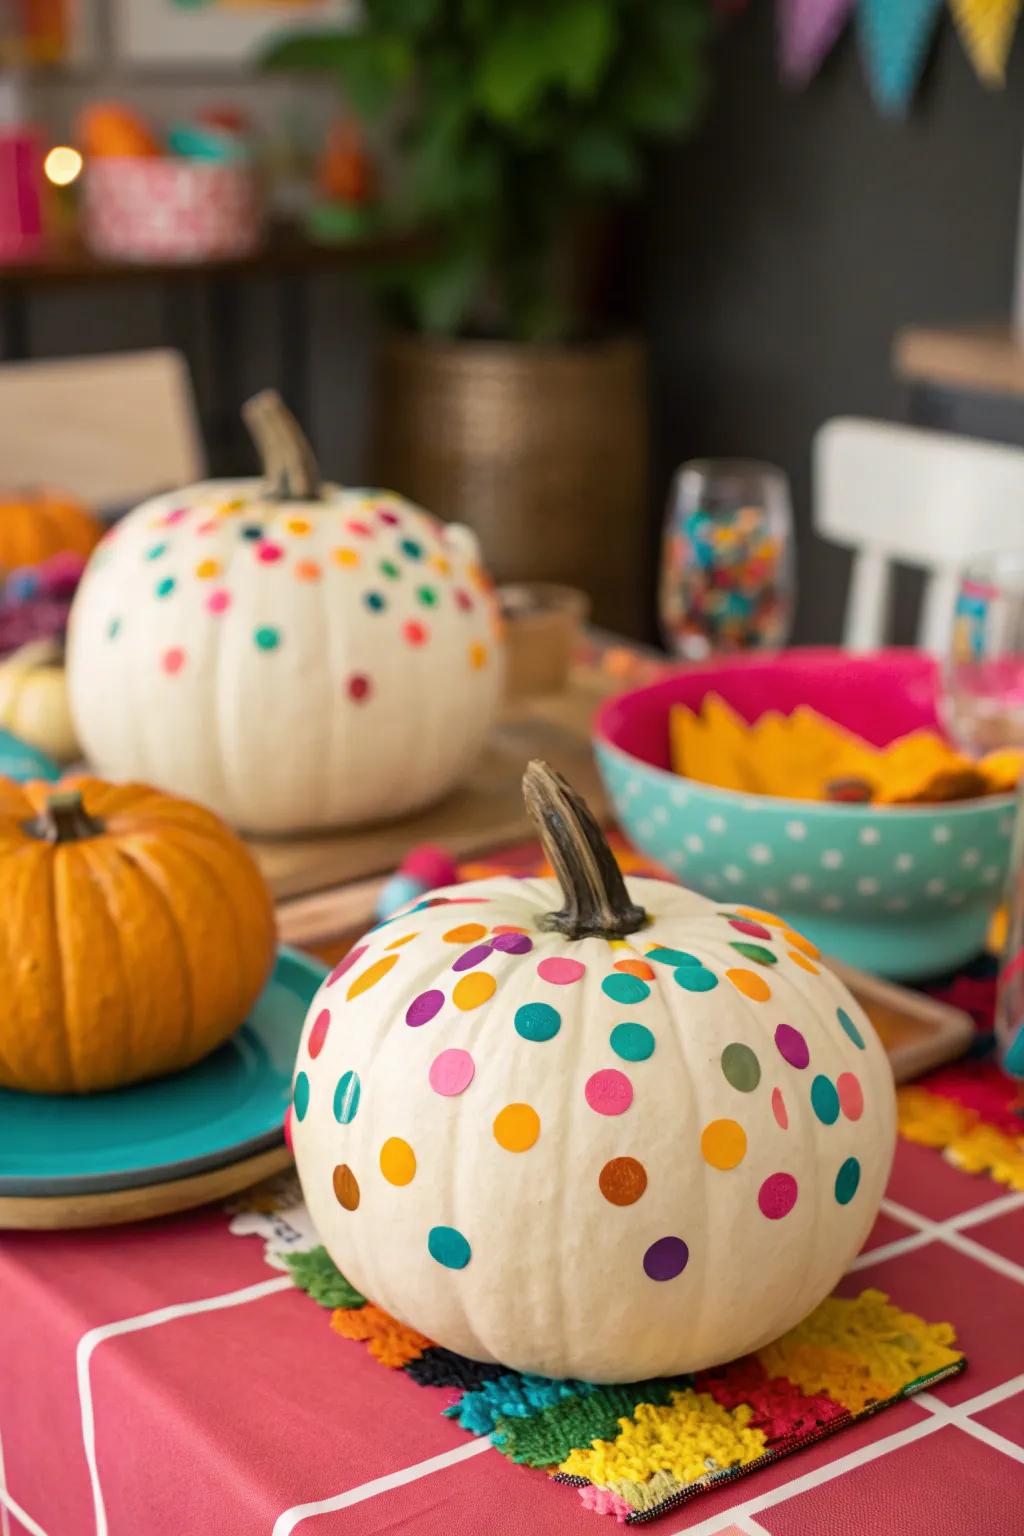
(596, 899)
(288, 461)
(64, 820)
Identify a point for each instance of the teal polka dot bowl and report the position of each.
(903, 891)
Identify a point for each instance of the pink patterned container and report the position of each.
(170, 210)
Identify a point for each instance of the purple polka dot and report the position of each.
(559, 971)
(792, 1046)
(471, 957)
(666, 1258)
(424, 1008)
(609, 1092)
(346, 964)
(777, 1195)
(513, 943)
(451, 1072)
(753, 930)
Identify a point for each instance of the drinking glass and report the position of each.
(984, 684)
(727, 579)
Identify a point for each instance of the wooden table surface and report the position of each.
(987, 358)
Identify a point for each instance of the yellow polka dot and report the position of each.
(619, 944)
(516, 1127)
(751, 985)
(723, 1144)
(370, 977)
(757, 916)
(229, 508)
(799, 942)
(477, 655)
(466, 933)
(298, 525)
(344, 555)
(803, 962)
(207, 568)
(405, 939)
(440, 565)
(476, 988)
(397, 1161)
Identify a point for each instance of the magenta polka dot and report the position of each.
(472, 957)
(358, 687)
(346, 964)
(387, 517)
(851, 1095)
(609, 1092)
(777, 1195)
(513, 943)
(463, 600)
(753, 930)
(424, 1008)
(269, 553)
(560, 971)
(218, 600)
(451, 1072)
(792, 1046)
(318, 1034)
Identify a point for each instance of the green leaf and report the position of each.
(372, 66)
(316, 1274)
(566, 46)
(443, 293)
(599, 159)
(411, 17)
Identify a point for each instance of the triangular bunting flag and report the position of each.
(808, 29)
(987, 28)
(894, 37)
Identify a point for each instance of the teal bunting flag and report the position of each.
(895, 36)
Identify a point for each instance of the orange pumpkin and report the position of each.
(135, 934)
(107, 128)
(37, 524)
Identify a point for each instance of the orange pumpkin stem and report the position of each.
(597, 902)
(65, 820)
(289, 464)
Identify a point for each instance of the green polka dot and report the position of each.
(300, 1095)
(412, 549)
(672, 957)
(754, 952)
(427, 596)
(390, 569)
(346, 1097)
(267, 637)
(113, 629)
(165, 586)
(156, 551)
(448, 1246)
(847, 1180)
(623, 988)
(825, 1099)
(695, 978)
(537, 1021)
(850, 1028)
(375, 602)
(633, 1042)
(741, 1067)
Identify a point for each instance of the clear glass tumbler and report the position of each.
(984, 685)
(727, 581)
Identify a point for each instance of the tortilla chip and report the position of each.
(1001, 770)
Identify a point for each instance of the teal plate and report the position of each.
(226, 1107)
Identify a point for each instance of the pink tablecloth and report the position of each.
(161, 1380)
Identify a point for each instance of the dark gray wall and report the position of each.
(799, 231)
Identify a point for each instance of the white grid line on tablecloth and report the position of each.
(927, 1231)
(5, 1524)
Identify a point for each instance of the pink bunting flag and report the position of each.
(808, 30)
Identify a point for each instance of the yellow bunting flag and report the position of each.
(986, 28)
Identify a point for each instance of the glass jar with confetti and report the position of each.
(727, 559)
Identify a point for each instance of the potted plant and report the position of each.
(507, 400)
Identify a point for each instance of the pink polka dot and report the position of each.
(268, 553)
(451, 1072)
(318, 1034)
(777, 1195)
(415, 632)
(218, 601)
(173, 660)
(753, 930)
(851, 1095)
(346, 964)
(354, 526)
(779, 1109)
(210, 526)
(358, 687)
(463, 600)
(176, 516)
(559, 971)
(609, 1092)
(288, 1129)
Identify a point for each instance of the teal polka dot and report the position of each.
(165, 586)
(672, 957)
(252, 531)
(267, 637)
(413, 550)
(113, 629)
(300, 1095)
(537, 1021)
(850, 1028)
(448, 1246)
(754, 952)
(825, 1100)
(390, 569)
(346, 1097)
(695, 978)
(847, 1180)
(427, 596)
(633, 1042)
(156, 551)
(375, 602)
(623, 988)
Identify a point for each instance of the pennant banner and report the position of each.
(895, 36)
(808, 29)
(987, 28)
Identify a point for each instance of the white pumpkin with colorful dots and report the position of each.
(638, 1136)
(292, 655)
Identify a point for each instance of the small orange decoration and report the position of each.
(622, 1180)
(37, 524)
(108, 129)
(750, 984)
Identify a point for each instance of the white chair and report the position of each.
(926, 499)
(111, 430)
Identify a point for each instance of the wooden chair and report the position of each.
(111, 429)
(926, 499)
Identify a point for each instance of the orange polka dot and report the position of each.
(635, 968)
(406, 938)
(307, 570)
(757, 916)
(478, 578)
(344, 555)
(622, 1180)
(466, 933)
(803, 962)
(298, 525)
(750, 984)
(516, 1127)
(799, 942)
(397, 1161)
(440, 565)
(508, 928)
(207, 568)
(477, 655)
(346, 1187)
(370, 977)
(474, 989)
(723, 1144)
